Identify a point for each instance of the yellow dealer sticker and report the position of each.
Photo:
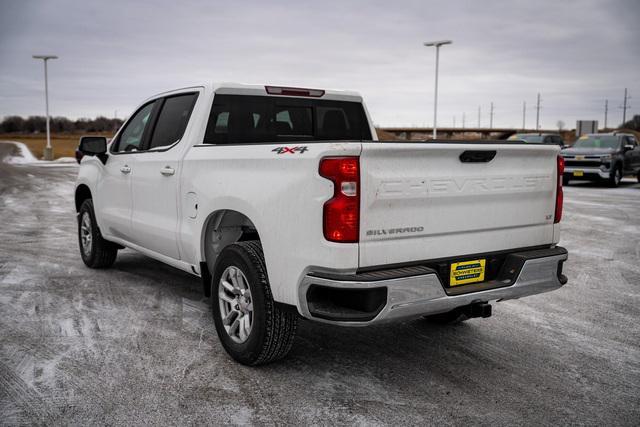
(466, 272)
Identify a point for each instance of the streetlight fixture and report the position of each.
(48, 151)
(437, 45)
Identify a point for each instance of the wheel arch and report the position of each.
(82, 193)
(222, 228)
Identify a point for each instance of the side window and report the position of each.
(131, 137)
(172, 120)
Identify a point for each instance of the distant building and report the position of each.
(586, 126)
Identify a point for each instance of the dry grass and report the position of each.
(64, 144)
(385, 136)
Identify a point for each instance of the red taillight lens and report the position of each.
(341, 214)
(559, 193)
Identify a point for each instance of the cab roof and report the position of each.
(278, 90)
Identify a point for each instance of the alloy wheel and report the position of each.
(85, 234)
(236, 305)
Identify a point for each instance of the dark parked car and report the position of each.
(602, 157)
(538, 138)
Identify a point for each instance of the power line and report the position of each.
(538, 112)
(625, 106)
(491, 117)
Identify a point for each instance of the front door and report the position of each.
(113, 199)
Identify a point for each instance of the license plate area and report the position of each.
(578, 173)
(466, 272)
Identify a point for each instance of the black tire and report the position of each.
(565, 180)
(615, 177)
(452, 317)
(272, 328)
(638, 176)
(100, 253)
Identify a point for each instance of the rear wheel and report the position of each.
(251, 327)
(615, 177)
(96, 252)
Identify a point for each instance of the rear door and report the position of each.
(423, 201)
(155, 181)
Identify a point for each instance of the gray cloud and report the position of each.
(114, 54)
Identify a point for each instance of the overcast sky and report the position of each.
(113, 54)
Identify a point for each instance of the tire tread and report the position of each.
(279, 326)
(105, 252)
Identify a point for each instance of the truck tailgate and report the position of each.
(421, 201)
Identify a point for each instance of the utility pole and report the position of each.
(479, 113)
(48, 151)
(538, 113)
(491, 117)
(463, 120)
(454, 121)
(524, 114)
(606, 111)
(625, 107)
(437, 45)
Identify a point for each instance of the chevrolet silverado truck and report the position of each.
(286, 205)
(602, 157)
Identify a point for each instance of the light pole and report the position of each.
(437, 45)
(48, 151)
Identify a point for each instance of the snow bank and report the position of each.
(24, 154)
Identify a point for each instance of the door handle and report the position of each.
(167, 171)
(125, 169)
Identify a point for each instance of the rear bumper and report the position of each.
(404, 293)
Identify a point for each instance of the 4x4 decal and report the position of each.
(291, 150)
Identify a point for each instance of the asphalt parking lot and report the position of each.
(136, 344)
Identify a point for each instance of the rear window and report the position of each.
(239, 119)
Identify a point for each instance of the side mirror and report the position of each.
(628, 147)
(92, 146)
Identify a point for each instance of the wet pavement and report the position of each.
(135, 344)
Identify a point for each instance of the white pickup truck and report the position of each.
(285, 203)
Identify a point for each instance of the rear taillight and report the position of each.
(341, 214)
(559, 194)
